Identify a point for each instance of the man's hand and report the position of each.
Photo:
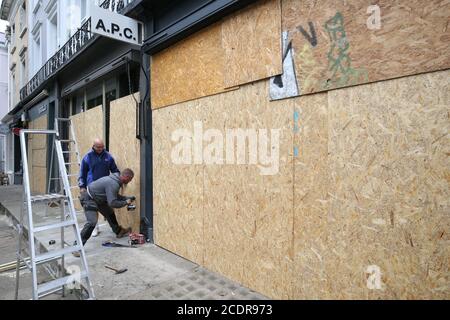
(132, 198)
(83, 190)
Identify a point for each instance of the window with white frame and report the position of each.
(22, 18)
(13, 37)
(13, 89)
(52, 35)
(52, 28)
(23, 71)
(83, 10)
(36, 52)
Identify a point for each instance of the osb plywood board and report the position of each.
(362, 188)
(311, 187)
(220, 215)
(37, 156)
(247, 215)
(87, 126)
(126, 148)
(251, 39)
(241, 48)
(389, 196)
(338, 43)
(178, 189)
(190, 69)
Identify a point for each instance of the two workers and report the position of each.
(100, 181)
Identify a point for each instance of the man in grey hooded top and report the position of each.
(102, 196)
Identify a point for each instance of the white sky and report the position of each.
(3, 24)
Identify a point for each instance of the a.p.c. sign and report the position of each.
(116, 26)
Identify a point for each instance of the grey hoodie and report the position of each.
(106, 190)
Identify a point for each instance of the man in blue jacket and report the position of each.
(96, 164)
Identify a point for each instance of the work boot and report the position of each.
(96, 231)
(123, 232)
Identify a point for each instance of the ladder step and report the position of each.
(67, 141)
(62, 119)
(54, 226)
(69, 152)
(72, 175)
(47, 197)
(57, 253)
(51, 285)
(71, 163)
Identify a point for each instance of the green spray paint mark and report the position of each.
(339, 61)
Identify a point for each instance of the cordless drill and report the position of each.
(131, 207)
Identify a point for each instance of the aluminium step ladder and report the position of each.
(68, 220)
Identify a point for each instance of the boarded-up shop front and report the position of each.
(348, 195)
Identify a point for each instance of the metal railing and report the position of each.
(70, 49)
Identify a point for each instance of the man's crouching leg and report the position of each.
(110, 216)
(89, 226)
(91, 222)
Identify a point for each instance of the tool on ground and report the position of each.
(111, 244)
(118, 271)
(68, 219)
(136, 238)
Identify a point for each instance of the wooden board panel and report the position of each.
(87, 126)
(248, 216)
(311, 187)
(389, 196)
(37, 156)
(251, 39)
(242, 48)
(334, 46)
(125, 148)
(190, 69)
(223, 214)
(178, 189)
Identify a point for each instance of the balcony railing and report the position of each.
(70, 49)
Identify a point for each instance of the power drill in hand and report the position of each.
(131, 207)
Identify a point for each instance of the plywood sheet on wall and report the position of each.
(311, 187)
(251, 39)
(126, 150)
(389, 191)
(239, 49)
(178, 189)
(334, 46)
(37, 156)
(190, 69)
(362, 188)
(221, 215)
(371, 191)
(87, 126)
(248, 215)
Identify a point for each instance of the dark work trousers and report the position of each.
(90, 211)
